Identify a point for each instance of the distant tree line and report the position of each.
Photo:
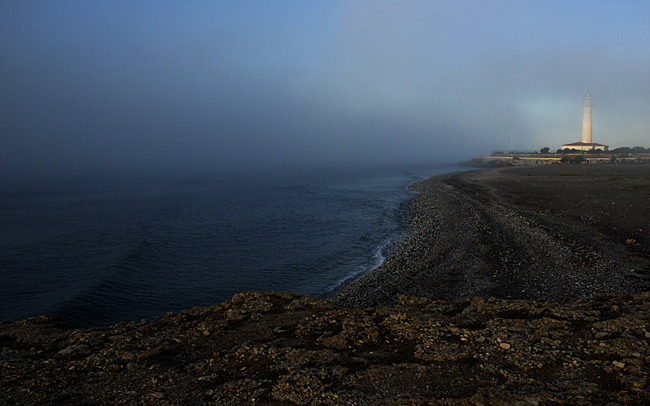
(620, 150)
(628, 150)
(616, 151)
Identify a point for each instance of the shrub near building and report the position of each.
(573, 159)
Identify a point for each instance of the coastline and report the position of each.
(542, 233)
(471, 232)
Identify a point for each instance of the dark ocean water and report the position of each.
(97, 252)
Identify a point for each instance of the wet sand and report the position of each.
(544, 233)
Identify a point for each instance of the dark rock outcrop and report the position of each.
(286, 349)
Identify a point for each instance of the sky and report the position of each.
(203, 85)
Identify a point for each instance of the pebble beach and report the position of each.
(544, 233)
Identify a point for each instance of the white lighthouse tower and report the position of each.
(587, 143)
(586, 119)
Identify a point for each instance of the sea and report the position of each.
(101, 250)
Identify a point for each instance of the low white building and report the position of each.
(585, 146)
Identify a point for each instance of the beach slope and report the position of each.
(544, 233)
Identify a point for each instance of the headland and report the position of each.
(517, 286)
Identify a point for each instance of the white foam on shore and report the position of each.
(378, 259)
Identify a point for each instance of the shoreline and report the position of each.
(388, 246)
(283, 348)
(541, 233)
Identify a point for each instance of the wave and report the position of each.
(378, 258)
(126, 283)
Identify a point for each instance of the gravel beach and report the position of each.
(543, 233)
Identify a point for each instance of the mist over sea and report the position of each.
(101, 251)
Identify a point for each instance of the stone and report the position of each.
(68, 350)
(334, 355)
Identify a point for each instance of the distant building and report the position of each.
(586, 144)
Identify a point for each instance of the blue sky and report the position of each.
(146, 85)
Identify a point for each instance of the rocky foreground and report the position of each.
(285, 349)
(573, 241)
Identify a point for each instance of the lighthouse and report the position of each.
(586, 119)
(586, 144)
